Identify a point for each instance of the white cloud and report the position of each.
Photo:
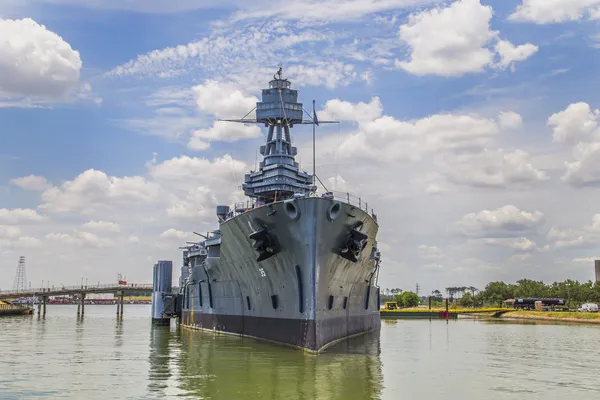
(574, 124)
(491, 169)
(199, 203)
(552, 11)
(174, 234)
(19, 216)
(105, 226)
(588, 236)
(577, 125)
(507, 221)
(35, 62)
(510, 120)
(222, 131)
(509, 53)
(31, 182)
(320, 11)
(93, 190)
(453, 40)
(9, 232)
(519, 244)
(430, 252)
(80, 239)
(346, 111)
(226, 54)
(224, 100)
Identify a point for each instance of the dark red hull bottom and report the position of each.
(307, 334)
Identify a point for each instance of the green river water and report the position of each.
(61, 357)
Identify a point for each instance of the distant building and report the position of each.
(597, 268)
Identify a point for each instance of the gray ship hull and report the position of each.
(307, 295)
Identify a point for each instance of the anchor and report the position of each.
(263, 242)
(354, 244)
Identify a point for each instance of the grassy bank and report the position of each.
(593, 318)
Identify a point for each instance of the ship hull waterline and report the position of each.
(307, 295)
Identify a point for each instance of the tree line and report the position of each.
(574, 292)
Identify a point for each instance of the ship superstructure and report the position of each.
(289, 265)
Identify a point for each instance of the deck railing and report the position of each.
(345, 197)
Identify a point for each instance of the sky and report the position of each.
(470, 126)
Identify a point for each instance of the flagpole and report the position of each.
(314, 162)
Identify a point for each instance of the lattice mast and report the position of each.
(279, 176)
(20, 283)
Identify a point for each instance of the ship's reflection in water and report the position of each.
(195, 364)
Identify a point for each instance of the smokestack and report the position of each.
(597, 268)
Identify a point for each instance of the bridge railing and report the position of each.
(89, 288)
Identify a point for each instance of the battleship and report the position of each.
(291, 264)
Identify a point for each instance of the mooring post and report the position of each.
(429, 298)
(446, 309)
(118, 304)
(78, 306)
(82, 304)
(45, 298)
(122, 296)
(39, 306)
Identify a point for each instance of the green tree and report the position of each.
(466, 300)
(409, 299)
(399, 299)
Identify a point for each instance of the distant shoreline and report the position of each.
(579, 317)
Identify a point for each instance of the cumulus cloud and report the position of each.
(588, 236)
(507, 221)
(577, 126)
(510, 54)
(462, 145)
(19, 216)
(491, 169)
(80, 239)
(93, 190)
(223, 100)
(105, 226)
(173, 234)
(510, 120)
(545, 11)
(455, 40)
(31, 182)
(222, 131)
(347, 111)
(36, 62)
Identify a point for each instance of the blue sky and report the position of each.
(451, 125)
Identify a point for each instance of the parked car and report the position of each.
(588, 307)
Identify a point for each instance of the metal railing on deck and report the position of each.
(346, 197)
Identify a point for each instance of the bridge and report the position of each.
(42, 294)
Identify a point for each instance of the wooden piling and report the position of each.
(122, 298)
